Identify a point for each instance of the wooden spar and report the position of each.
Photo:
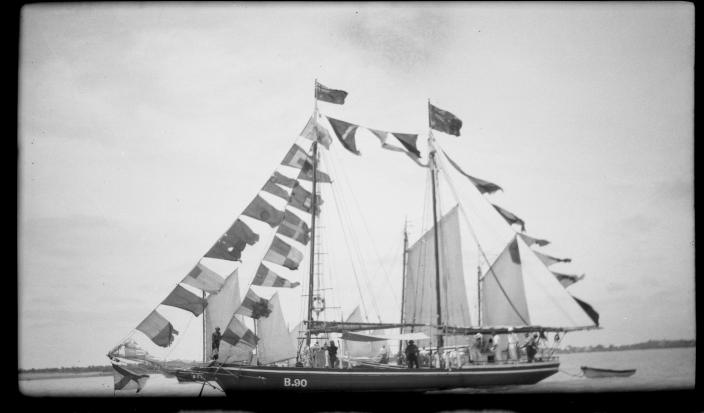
(433, 175)
(312, 219)
(403, 276)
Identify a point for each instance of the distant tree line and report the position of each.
(172, 364)
(650, 344)
(91, 368)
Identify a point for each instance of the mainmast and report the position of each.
(312, 220)
(433, 175)
(403, 276)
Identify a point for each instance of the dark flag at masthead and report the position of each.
(444, 121)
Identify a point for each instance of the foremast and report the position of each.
(433, 175)
(314, 207)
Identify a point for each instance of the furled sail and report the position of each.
(274, 339)
(357, 348)
(420, 305)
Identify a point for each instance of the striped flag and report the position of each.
(268, 278)
(158, 329)
(283, 254)
(254, 306)
(326, 94)
(203, 278)
(345, 133)
(294, 227)
(263, 211)
(283, 180)
(236, 332)
(274, 189)
(185, 300)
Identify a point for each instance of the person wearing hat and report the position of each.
(412, 354)
(215, 343)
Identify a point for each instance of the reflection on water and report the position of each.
(665, 369)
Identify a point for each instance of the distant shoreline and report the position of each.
(60, 375)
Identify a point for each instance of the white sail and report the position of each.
(420, 299)
(221, 307)
(274, 338)
(520, 290)
(357, 348)
(549, 304)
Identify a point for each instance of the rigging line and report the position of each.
(419, 289)
(344, 230)
(355, 244)
(360, 256)
(341, 218)
(385, 271)
(481, 250)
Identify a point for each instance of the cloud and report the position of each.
(402, 39)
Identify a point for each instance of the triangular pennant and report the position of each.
(345, 132)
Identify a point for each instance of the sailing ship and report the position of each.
(470, 274)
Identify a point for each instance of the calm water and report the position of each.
(662, 369)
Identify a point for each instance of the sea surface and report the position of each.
(657, 369)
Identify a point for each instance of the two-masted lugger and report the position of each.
(475, 291)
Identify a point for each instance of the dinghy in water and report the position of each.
(596, 373)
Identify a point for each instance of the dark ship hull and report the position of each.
(236, 378)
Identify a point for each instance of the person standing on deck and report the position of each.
(315, 353)
(326, 359)
(532, 347)
(412, 354)
(305, 356)
(215, 343)
(383, 356)
(491, 351)
(332, 353)
(512, 345)
(424, 357)
(497, 348)
(475, 351)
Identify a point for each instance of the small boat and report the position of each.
(596, 373)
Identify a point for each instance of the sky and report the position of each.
(145, 129)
